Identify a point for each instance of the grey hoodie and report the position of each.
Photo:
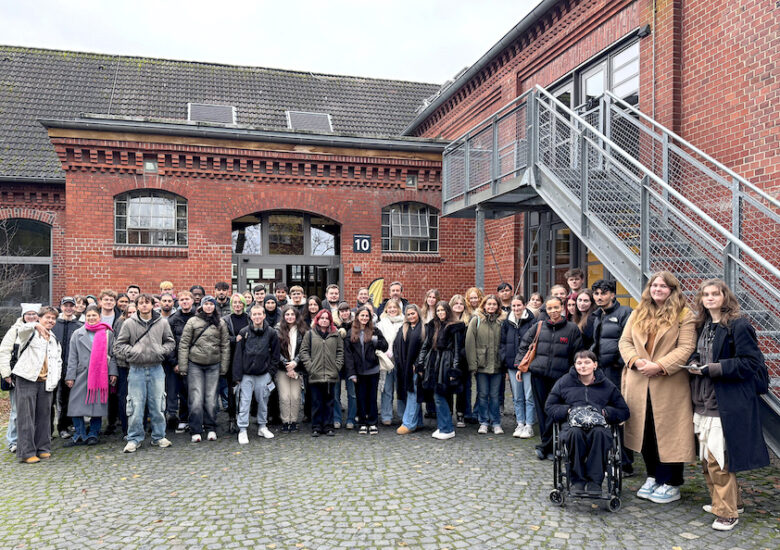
(150, 350)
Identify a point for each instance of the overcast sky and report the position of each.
(419, 40)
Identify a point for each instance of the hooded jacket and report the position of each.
(257, 352)
(512, 332)
(323, 358)
(141, 348)
(569, 392)
(212, 345)
(558, 342)
(483, 339)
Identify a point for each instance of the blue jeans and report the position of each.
(488, 387)
(522, 397)
(202, 383)
(11, 434)
(80, 432)
(387, 398)
(257, 385)
(443, 413)
(469, 413)
(145, 389)
(413, 417)
(351, 401)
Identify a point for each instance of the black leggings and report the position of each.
(670, 473)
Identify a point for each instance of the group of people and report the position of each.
(671, 373)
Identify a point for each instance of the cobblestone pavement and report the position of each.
(349, 491)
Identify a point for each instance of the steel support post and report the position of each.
(479, 249)
(644, 232)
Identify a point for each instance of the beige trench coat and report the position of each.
(670, 392)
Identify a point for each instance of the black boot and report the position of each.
(232, 426)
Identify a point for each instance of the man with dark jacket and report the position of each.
(222, 294)
(67, 324)
(609, 320)
(396, 290)
(144, 341)
(176, 409)
(254, 366)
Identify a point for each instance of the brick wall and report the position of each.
(221, 184)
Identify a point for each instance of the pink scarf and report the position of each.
(97, 376)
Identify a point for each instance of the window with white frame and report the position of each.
(150, 217)
(410, 227)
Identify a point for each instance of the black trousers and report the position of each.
(63, 394)
(366, 389)
(615, 375)
(670, 473)
(322, 406)
(541, 387)
(587, 452)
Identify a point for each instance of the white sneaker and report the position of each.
(647, 488)
(438, 435)
(162, 443)
(12, 448)
(528, 431)
(708, 508)
(265, 432)
(519, 431)
(724, 524)
(182, 427)
(195, 438)
(498, 430)
(243, 437)
(211, 436)
(130, 447)
(665, 493)
(483, 429)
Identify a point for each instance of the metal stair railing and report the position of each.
(654, 222)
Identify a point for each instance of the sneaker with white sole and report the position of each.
(528, 431)
(243, 437)
(211, 436)
(724, 524)
(196, 438)
(646, 490)
(708, 508)
(182, 427)
(442, 436)
(162, 443)
(131, 447)
(483, 429)
(12, 448)
(498, 430)
(263, 431)
(665, 493)
(435, 434)
(519, 431)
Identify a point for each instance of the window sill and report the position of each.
(150, 252)
(411, 257)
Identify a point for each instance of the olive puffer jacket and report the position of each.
(323, 358)
(205, 344)
(483, 342)
(558, 342)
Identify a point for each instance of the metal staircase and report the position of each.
(639, 196)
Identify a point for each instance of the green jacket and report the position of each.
(211, 347)
(482, 343)
(323, 358)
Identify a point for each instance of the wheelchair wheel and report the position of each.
(557, 497)
(614, 504)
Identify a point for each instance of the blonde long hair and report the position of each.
(648, 314)
(466, 315)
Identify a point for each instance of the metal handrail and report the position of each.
(698, 151)
(498, 116)
(730, 237)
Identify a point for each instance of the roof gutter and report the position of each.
(28, 179)
(482, 62)
(408, 144)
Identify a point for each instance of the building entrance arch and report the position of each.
(285, 246)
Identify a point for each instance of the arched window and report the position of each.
(150, 217)
(25, 262)
(410, 227)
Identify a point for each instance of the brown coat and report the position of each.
(670, 392)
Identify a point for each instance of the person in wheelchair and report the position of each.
(586, 402)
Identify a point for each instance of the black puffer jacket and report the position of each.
(362, 360)
(512, 332)
(442, 368)
(602, 394)
(558, 342)
(608, 326)
(177, 321)
(405, 352)
(257, 352)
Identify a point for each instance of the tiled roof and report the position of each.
(37, 83)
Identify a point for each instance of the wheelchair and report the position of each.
(562, 476)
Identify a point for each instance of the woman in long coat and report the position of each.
(659, 337)
(91, 369)
(725, 390)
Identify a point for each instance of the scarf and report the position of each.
(97, 376)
